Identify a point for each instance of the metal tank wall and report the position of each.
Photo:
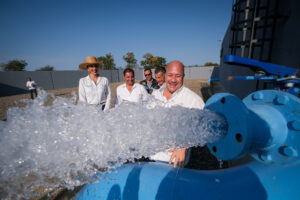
(278, 44)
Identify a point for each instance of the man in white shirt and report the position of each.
(93, 89)
(31, 85)
(130, 91)
(175, 94)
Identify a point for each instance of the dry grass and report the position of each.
(197, 85)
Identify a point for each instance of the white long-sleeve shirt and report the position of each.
(95, 93)
(138, 93)
(182, 97)
(31, 85)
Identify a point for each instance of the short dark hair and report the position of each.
(147, 68)
(160, 69)
(128, 70)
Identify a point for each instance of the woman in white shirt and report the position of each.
(93, 89)
(130, 91)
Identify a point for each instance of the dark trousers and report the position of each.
(31, 93)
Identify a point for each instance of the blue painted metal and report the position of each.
(284, 78)
(213, 80)
(297, 81)
(273, 69)
(251, 78)
(265, 124)
(260, 126)
(163, 182)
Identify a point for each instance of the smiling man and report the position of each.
(160, 76)
(130, 91)
(176, 94)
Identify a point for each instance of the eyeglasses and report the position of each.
(148, 74)
(92, 66)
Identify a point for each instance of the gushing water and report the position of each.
(66, 144)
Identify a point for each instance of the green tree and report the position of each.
(130, 59)
(46, 68)
(14, 65)
(211, 64)
(108, 62)
(151, 61)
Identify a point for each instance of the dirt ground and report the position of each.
(200, 86)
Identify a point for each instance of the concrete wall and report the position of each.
(12, 83)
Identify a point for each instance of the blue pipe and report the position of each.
(160, 181)
(273, 69)
(265, 124)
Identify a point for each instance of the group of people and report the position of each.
(167, 87)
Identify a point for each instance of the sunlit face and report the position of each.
(129, 78)
(148, 75)
(93, 69)
(160, 78)
(174, 76)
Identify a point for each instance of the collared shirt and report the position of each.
(31, 85)
(95, 93)
(150, 86)
(161, 86)
(182, 97)
(138, 93)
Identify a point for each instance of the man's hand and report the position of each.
(179, 155)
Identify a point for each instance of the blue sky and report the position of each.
(61, 33)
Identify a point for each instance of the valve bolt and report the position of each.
(290, 151)
(257, 96)
(282, 100)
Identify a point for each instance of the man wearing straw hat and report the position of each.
(93, 89)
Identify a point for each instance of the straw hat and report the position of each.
(89, 61)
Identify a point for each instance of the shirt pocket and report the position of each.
(88, 89)
(101, 89)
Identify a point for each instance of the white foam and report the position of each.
(65, 144)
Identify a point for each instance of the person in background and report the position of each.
(176, 94)
(94, 89)
(31, 85)
(159, 74)
(130, 91)
(149, 83)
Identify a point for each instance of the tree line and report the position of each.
(149, 61)
(108, 63)
(20, 65)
